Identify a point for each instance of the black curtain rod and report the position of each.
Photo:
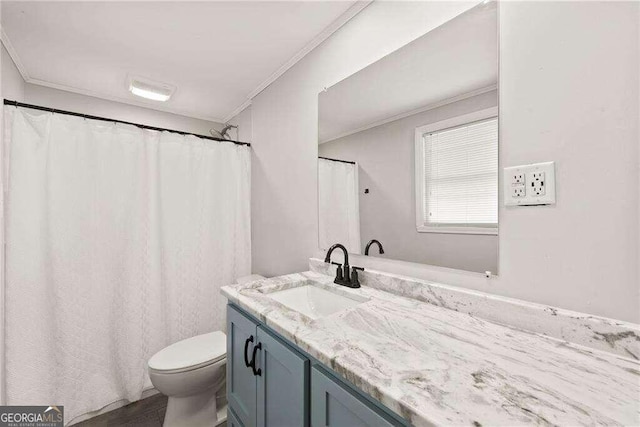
(337, 160)
(104, 119)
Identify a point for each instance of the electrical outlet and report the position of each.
(537, 183)
(518, 178)
(518, 188)
(529, 185)
(518, 191)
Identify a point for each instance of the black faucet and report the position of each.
(371, 242)
(344, 276)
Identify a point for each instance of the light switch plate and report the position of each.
(538, 185)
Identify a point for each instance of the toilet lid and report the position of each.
(191, 352)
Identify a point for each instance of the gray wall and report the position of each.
(243, 121)
(568, 92)
(385, 156)
(13, 85)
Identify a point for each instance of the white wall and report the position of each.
(12, 82)
(63, 100)
(243, 121)
(385, 156)
(569, 92)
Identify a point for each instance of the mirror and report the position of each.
(408, 150)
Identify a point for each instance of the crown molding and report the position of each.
(25, 76)
(427, 107)
(13, 54)
(355, 9)
(238, 110)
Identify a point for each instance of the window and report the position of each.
(457, 175)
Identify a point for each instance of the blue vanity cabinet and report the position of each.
(333, 405)
(283, 384)
(241, 382)
(267, 380)
(273, 383)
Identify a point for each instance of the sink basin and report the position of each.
(315, 302)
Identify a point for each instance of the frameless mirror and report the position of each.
(408, 150)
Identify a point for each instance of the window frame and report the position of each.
(419, 174)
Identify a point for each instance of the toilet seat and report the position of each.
(191, 353)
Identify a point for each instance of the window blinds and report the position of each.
(461, 175)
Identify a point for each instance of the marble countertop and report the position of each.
(437, 366)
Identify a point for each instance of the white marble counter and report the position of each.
(610, 335)
(436, 366)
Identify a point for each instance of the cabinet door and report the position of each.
(241, 382)
(232, 420)
(282, 384)
(335, 406)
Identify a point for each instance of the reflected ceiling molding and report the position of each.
(357, 7)
(427, 107)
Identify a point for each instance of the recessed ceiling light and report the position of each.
(150, 89)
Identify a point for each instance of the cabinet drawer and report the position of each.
(332, 405)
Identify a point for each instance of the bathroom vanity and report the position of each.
(272, 382)
(403, 351)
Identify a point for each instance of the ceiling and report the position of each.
(218, 54)
(453, 61)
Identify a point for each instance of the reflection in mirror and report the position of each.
(408, 150)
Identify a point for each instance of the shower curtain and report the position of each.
(338, 205)
(118, 241)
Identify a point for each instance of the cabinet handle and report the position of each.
(258, 371)
(246, 347)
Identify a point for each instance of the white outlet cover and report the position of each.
(547, 197)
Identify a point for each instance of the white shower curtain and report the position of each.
(339, 212)
(118, 241)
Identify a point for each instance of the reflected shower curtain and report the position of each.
(338, 206)
(118, 241)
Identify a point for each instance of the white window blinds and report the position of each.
(461, 175)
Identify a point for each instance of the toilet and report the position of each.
(192, 374)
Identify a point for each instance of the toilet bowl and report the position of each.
(192, 374)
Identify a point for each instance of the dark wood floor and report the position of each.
(147, 412)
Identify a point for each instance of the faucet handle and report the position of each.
(354, 276)
(339, 275)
